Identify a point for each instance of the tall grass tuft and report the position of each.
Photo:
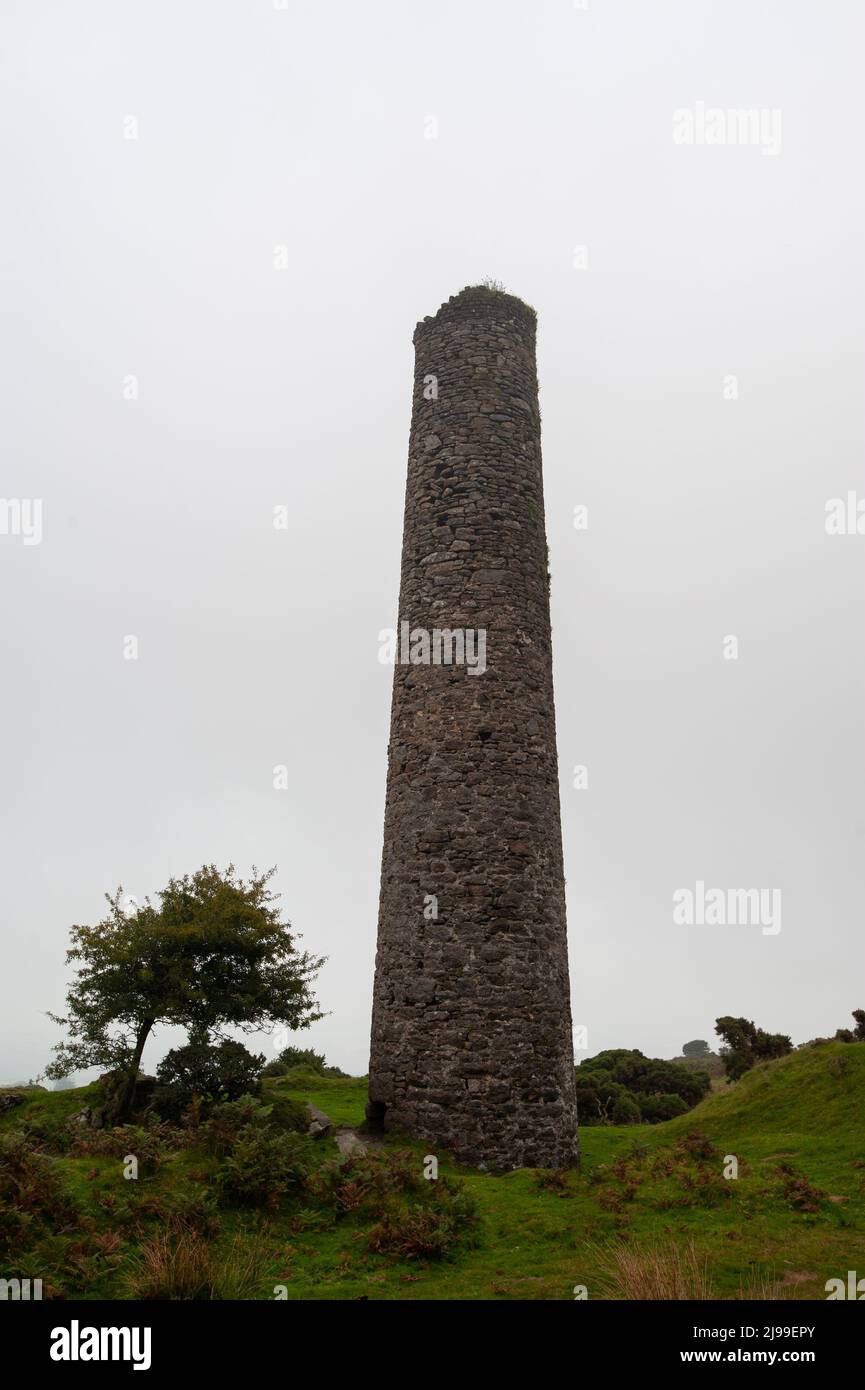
(185, 1267)
(649, 1273)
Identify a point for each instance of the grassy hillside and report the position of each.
(648, 1201)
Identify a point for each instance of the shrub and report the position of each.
(33, 1196)
(305, 1058)
(697, 1146)
(556, 1180)
(430, 1230)
(287, 1114)
(625, 1074)
(262, 1167)
(412, 1217)
(797, 1189)
(857, 1034)
(189, 1213)
(656, 1109)
(213, 1073)
(368, 1180)
(149, 1143)
(227, 1121)
(625, 1112)
(276, 1068)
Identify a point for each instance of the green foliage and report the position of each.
(214, 1073)
(856, 1034)
(33, 1197)
(624, 1078)
(697, 1048)
(287, 1114)
(413, 1217)
(262, 1167)
(298, 1058)
(151, 1144)
(656, 1109)
(625, 1111)
(534, 1240)
(745, 1044)
(430, 1230)
(214, 954)
(227, 1120)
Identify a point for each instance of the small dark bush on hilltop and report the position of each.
(849, 1035)
(622, 1086)
(745, 1044)
(292, 1058)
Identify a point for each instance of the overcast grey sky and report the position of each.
(307, 182)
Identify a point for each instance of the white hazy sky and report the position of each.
(307, 127)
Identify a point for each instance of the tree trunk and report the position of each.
(125, 1094)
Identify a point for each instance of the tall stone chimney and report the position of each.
(471, 1027)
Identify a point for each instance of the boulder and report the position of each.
(319, 1124)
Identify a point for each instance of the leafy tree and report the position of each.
(213, 955)
(698, 1048)
(745, 1044)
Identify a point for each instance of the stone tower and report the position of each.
(471, 1025)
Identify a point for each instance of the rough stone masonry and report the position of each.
(471, 1029)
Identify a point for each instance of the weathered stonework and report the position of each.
(471, 1028)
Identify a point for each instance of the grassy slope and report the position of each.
(806, 1108)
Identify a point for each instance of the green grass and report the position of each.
(805, 1110)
